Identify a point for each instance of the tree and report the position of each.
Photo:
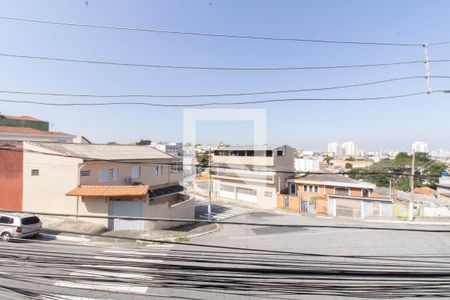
(348, 166)
(380, 173)
(203, 159)
(327, 159)
(144, 142)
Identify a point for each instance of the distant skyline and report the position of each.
(387, 124)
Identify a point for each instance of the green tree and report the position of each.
(143, 142)
(327, 159)
(426, 171)
(203, 159)
(348, 166)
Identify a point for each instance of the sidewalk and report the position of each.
(181, 234)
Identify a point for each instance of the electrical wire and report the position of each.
(226, 167)
(209, 34)
(213, 94)
(229, 103)
(211, 68)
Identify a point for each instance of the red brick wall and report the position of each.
(11, 179)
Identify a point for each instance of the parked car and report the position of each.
(18, 225)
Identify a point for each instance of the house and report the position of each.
(93, 179)
(443, 189)
(23, 122)
(251, 174)
(334, 195)
(25, 128)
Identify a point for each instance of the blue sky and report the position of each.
(374, 125)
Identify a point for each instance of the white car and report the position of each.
(18, 225)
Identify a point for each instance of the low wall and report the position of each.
(177, 206)
(442, 211)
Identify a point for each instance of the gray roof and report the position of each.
(106, 152)
(332, 179)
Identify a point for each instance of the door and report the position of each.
(331, 207)
(127, 208)
(368, 209)
(386, 209)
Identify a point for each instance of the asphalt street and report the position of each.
(239, 262)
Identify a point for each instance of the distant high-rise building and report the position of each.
(333, 148)
(420, 147)
(349, 149)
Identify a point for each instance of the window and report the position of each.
(268, 194)
(35, 172)
(176, 167)
(6, 220)
(305, 188)
(293, 189)
(246, 191)
(365, 193)
(159, 170)
(316, 189)
(341, 191)
(85, 173)
(280, 153)
(310, 188)
(135, 171)
(30, 220)
(107, 175)
(227, 188)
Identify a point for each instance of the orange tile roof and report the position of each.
(424, 190)
(26, 118)
(104, 191)
(26, 130)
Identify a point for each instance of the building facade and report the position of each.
(334, 195)
(307, 164)
(420, 147)
(23, 122)
(252, 174)
(98, 180)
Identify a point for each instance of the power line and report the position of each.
(209, 34)
(5, 148)
(152, 104)
(209, 68)
(212, 94)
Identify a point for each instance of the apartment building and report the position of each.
(92, 179)
(251, 174)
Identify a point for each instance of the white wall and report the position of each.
(57, 176)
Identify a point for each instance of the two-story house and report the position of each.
(98, 180)
(334, 195)
(251, 174)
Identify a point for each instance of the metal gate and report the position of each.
(127, 208)
(368, 209)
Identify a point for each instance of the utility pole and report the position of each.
(411, 201)
(210, 183)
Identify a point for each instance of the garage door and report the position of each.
(246, 194)
(126, 208)
(386, 209)
(368, 208)
(348, 208)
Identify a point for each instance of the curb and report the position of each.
(60, 237)
(408, 222)
(173, 239)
